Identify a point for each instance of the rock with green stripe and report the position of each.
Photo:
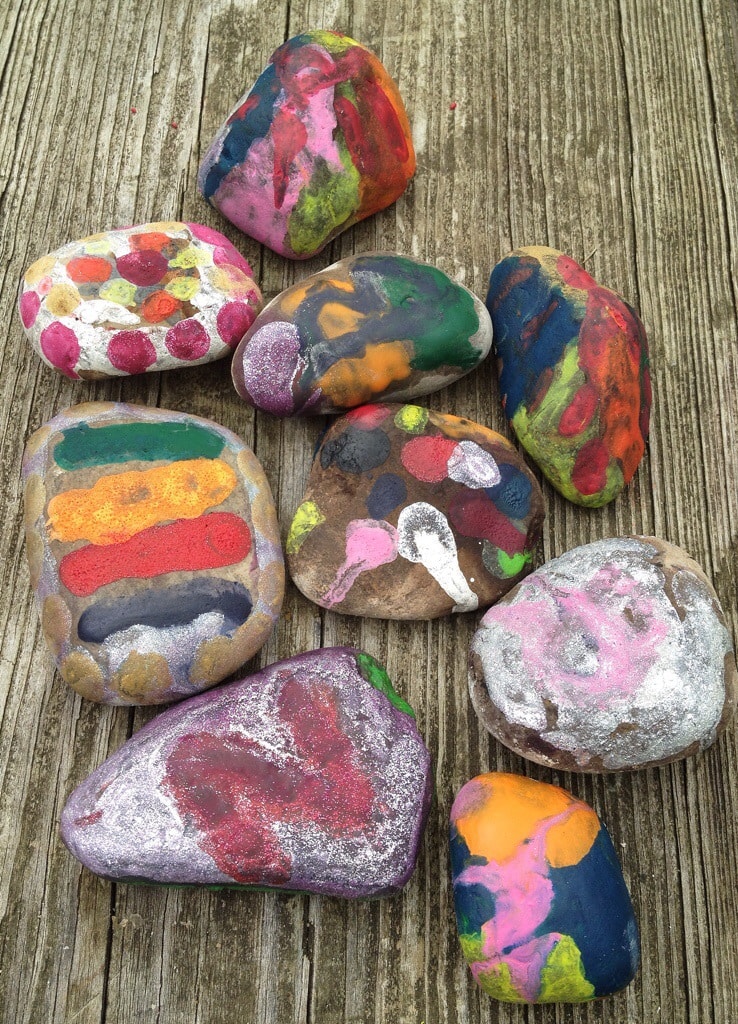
(369, 327)
(153, 549)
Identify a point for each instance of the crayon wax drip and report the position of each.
(426, 537)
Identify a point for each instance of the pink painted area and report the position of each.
(60, 345)
(206, 234)
(30, 304)
(369, 544)
(367, 417)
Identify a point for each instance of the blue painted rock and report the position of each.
(543, 912)
(154, 551)
(369, 327)
(614, 656)
(411, 514)
(152, 297)
(573, 364)
(310, 775)
(321, 141)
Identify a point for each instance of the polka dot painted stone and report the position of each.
(543, 912)
(369, 327)
(614, 656)
(152, 297)
(154, 551)
(412, 514)
(310, 775)
(573, 364)
(320, 142)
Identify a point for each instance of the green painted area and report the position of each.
(563, 979)
(442, 340)
(375, 674)
(330, 42)
(471, 947)
(329, 201)
(411, 418)
(497, 982)
(85, 445)
(511, 565)
(307, 517)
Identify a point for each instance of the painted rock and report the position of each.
(152, 297)
(310, 775)
(615, 655)
(321, 141)
(411, 514)
(371, 326)
(573, 364)
(154, 551)
(543, 912)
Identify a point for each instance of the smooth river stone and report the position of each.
(321, 141)
(411, 514)
(151, 297)
(154, 551)
(614, 656)
(370, 327)
(310, 775)
(543, 912)
(573, 364)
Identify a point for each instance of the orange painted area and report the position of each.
(568, 841)
(295, 296)
(156, 240)
(352, 382)
(119, 506)
(510, 809)
(89, 269)
(335, 320)
(158, 306)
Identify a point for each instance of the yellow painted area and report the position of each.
(192, 256)
(307, 517)
(507, 811)
(497, 983)
(119, 506)
(562, 978)
(39, 269)
(184, 288)
(570, 840)
(84, 675)
(62, 299)
(411, 418)
(120, 291)
(231, 280)
(97, 245)
(352, 382)
(335, 320)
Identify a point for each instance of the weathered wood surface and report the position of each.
(607, 130)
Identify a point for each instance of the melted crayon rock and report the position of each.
(152, 297)
(154, 552)
(543, 912)
(411, 514)
(310, 775)
(369, 327)
(614, 656)
(573, 364)
(320, 142)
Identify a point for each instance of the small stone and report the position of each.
(151, 297)
(411, 514)
(614, 656)
(320, 142)
(310, 775)
(543, 912)
(154, 552)
(370, 327)
(573, 364)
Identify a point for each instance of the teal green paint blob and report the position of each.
(85, 446)
(375, 674)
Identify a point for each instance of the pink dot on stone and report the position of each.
(233, 320)
(60, 346)
(131, 351)
(228, 254)
(209, 235)
(145, 267)
(30, 304)
(187, 340)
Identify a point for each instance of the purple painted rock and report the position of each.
(151, 297)
(310, 775)
(614, 656)
(370, 327)
(321, 141)
(154, 551)
(411, 514)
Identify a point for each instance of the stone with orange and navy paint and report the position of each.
(310, 775)
(321, 141)
(151, 297)
(573, 365)
(411, 514)
(154, 551)
(371, 327)
(542, 909)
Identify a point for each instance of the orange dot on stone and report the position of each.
(158, 306)
(156, 240)
(89, 268)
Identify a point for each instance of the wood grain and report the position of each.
(607, 130)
